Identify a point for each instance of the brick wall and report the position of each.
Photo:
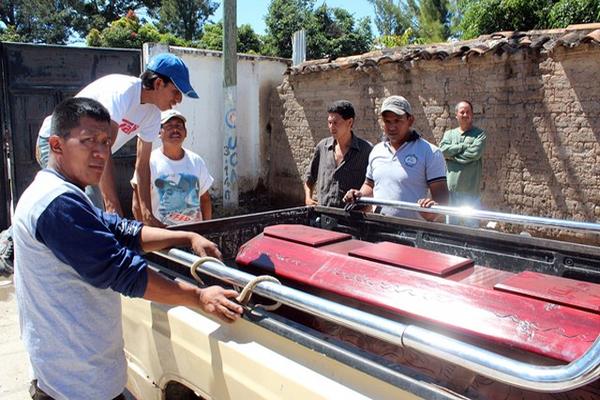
(540, 109)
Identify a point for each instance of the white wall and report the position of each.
(256, 77)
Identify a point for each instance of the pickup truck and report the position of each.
(373, 307)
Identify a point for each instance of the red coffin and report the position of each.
(547, 317)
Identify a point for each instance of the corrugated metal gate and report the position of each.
(34, 78)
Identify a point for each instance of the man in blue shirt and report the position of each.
(73, 260)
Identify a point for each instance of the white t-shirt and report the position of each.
(405, 174)
(176, 187)
(121, 95)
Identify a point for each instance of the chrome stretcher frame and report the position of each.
(518, 252)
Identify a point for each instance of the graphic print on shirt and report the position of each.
(178, 198)
(127, 126)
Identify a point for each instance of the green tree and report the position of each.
(332, 33)
(567, 12)
(390, 41)
(479, 17)
(247, 40)
(434, 20)
(55, 21)
(42, 21)
(185, 18)
(128, 32)
(9, 34)
(391, 18)
(212, 38)
(100, 14)
(284, 17)
(426, 20)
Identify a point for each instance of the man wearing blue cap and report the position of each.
(134, 105)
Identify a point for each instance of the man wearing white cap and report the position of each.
(404, 166)
(134, 105)
(179, 177)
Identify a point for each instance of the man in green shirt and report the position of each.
(463, 149)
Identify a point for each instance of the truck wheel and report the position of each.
(177, 391)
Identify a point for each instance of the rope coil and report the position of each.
(246, 293)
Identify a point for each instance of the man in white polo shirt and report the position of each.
(404, 166)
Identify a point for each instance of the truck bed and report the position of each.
(369, 364)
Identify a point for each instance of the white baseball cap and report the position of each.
(171, 113)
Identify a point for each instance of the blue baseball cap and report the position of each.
(172, 67)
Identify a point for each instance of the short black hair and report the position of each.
(148, 77)
(68, 113)
(342, 107)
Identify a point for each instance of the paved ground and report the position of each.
(14, 366)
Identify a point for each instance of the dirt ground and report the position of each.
(14, 365)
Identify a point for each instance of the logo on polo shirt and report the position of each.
(128, 126)
(410, 160)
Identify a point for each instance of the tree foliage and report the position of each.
(56, 21)
(128, 32)
(247, 40)
(185, 18)
(433, 20)
(425, 21)
(480, 17)
(567, 12)
(100, 14)
(487, 16)
(331, 31)
(391, 18)
(284, 17)
(42, 21)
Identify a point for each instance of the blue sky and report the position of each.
(253, 12)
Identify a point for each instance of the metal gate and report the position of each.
(34, 78)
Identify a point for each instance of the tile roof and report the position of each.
(498, 43)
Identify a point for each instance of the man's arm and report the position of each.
(365, 190)
(308, 194)
(152, 239)
(439, 192)
(107, 182)
(311, 177)
(439, 195)
(473, 151)
(142, 171)
(213, 299)
(449, 149)
(206, 206)
(101, 246)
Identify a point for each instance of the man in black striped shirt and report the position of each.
(340, 161)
